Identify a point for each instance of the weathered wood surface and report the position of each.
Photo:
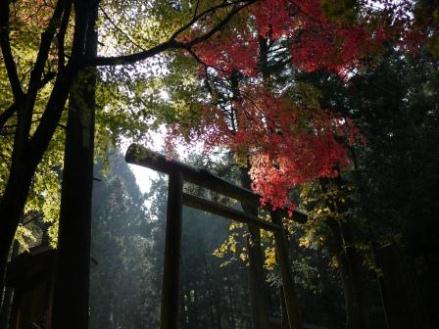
(171, 270)
(220, 210)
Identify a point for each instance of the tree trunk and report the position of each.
(257, 288)
(28, 151)
(11, 209)
(5, 313)
(351, 277)
(401, 291)
(71, 288)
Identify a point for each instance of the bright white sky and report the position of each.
(144, 176)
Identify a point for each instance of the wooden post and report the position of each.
(289, 289)
(171, 270)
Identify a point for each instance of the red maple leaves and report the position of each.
(286, 143)
(337, 44)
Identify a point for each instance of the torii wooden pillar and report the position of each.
(178, 174)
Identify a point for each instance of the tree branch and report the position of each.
(206, 12)
(6, 115)
(9, 112)
(5, 45)
(219, 26)
(205, 66)
(43, 51)
(133, 58)
(63, 83)
(172, 43)
(61, 36)
(196, 9)
(122, 32)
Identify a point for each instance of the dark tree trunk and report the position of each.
(349, 259)
(231, 309)
(401, 291)
(283, 310)
(350, 271)
(6, 308)
(11, 209)
(5, 313)
(28, 151)
(71, 289)
(257, 287)
(289, 290)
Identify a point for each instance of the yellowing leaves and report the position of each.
(24, 237)
(270, 258)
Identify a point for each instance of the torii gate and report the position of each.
(180, 173)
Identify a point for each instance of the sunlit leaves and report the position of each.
(24, 237)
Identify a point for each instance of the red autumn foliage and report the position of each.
(285, 143)
(337, 44)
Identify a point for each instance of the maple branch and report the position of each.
(196, 9)
(122, 32)
(172, 43)
(206, 12)
(205, 66)
(9, 112)
(6, 115)
(61, 36)
(8, 57)
(220, 25)
(44, 49)
(195, 56)
(136, 57)
(62, 86)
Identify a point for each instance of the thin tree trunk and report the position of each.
(5, 313)
(257, 288)
(231, 306)
(350, 274)
(283, 310)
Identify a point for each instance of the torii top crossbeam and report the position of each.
(142, 156)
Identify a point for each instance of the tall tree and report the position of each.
(67, 54)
